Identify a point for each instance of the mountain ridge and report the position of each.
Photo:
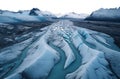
(112, 14)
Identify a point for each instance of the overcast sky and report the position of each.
(59, 6)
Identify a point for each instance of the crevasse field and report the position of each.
(62, 51)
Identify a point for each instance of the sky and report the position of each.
(59, 6)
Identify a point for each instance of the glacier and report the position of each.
(86, 54)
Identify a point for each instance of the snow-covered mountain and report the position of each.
(37, 12)
(48, 14)
(112, 14)
(74, 15)
(58, 15)
(62, 51)
(26, 15)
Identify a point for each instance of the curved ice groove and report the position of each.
(58, 33)
(110, 54)
(67, 50)
(104, 42)
(42, 56)
(63, 40)
(93, 62)
(69, 54)
(60, 66)
(13, 57)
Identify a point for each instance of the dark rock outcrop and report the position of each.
(33, 12)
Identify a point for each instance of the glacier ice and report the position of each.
(99, 56)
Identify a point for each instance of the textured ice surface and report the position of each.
(100, 57)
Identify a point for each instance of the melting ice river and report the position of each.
(58, 71)
(62, 51)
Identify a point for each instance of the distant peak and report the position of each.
(35, 9)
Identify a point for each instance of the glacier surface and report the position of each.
(98, 56)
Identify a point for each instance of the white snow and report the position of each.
(75, 15)
(58, 15)
(47, 14)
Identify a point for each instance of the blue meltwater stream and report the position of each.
(58, 71)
